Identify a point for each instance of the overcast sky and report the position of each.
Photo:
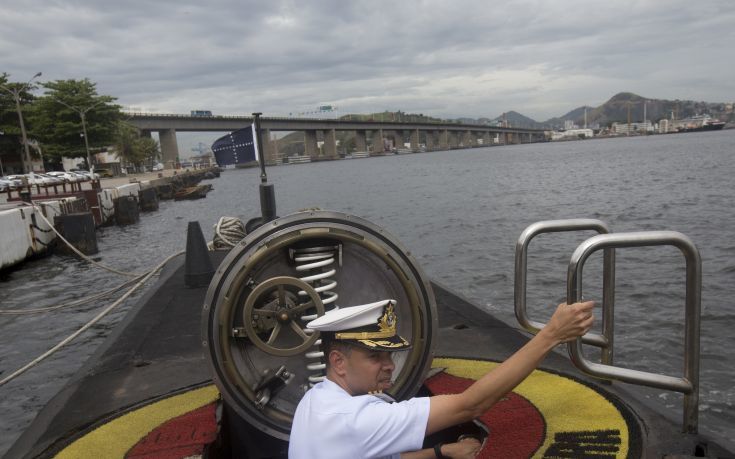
(442, 58)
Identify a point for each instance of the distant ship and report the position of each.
(699, 123)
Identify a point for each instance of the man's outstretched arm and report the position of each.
(567, 323)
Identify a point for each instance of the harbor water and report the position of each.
(460, 214)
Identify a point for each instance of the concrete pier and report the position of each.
(311, 148)
(79, 229)
(330, 144)
(486, 141)
(24, 230)
(169, 148)
(444, 139)
(271, 148)
(360, 140)
(430, 140)
(148, 199)
(415, 140)
(378, 145)
(126, 210)
(453, 140)
(398, 141)
(26, 234)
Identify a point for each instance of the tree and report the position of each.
(133, 149)
(148, 150)
(10, 138)
(57, 119)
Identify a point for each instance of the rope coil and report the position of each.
(227, 233)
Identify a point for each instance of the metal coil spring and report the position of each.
(315, 262)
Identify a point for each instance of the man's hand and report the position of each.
(466, 448)
(570, 321)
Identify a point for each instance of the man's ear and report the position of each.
(337, 362)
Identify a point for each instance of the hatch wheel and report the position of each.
(272, 313)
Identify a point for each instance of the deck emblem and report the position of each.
(547, 416)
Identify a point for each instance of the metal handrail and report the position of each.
(689, 383)
(604, 340)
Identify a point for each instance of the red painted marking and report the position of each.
(516, 426)
(179, 437)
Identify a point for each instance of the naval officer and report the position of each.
(341, 417)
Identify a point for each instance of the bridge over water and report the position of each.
(369, 135)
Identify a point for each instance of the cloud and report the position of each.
(447, 59)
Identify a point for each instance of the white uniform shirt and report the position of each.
(329, 423)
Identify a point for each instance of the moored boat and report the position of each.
(193, 192)
(699, 123)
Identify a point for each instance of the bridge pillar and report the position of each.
(398, 141)
(169, 148)
(360, 140)
(414, 140)
(486, 142)
(330, 144)
(430, 144)
(444, 139)
(270, 147)
(468, 140)
(378, 146)
(311, 149)
(453, 140)
(145, 134)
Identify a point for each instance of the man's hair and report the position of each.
(329, 344)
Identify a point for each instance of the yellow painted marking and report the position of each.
(115, 438)
(565, 404)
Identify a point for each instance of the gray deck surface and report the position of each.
(156, 351)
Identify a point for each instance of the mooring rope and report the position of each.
(228, 232)
(78, 252)
(96, 319)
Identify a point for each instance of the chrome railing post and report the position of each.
(689, 383)
(603, 340)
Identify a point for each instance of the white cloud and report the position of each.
(447, 59)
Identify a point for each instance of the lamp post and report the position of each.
(83, 115)
(15, 92)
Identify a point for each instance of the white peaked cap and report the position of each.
(350, 317)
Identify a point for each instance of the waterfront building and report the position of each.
(572, 134)
(632, 128)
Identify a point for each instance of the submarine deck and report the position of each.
(156, 353)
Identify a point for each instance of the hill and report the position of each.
(616, 110)
(516, 119)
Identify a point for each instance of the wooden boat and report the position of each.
(193, 192)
